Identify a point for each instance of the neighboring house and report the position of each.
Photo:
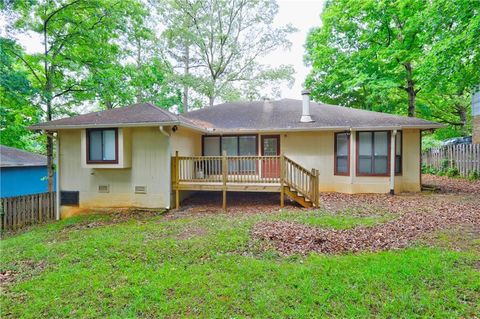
(127, 157)
(21, 172)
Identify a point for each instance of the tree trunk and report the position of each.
(462, 113)
(49, 144)
(186, 73)
(211, 100)
(412, 94)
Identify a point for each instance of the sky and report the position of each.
(302, 14)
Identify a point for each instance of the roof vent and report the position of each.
(306, 118)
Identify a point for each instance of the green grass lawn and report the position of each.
(210, 267)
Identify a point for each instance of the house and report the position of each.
(21, 172)
(143, 156)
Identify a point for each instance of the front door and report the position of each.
(270, 147)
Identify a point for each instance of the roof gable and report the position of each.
(13, 157)
(144, 113)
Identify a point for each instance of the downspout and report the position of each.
(162, 130)
(57, 177)
(392, 162)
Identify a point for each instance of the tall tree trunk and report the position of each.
(462, 113)
(49, 145)
(211, 100)
(186, 74)
(48, 97)
(139, 95)
(412, 93)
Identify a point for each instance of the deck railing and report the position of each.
(227, 170)
(301, 180)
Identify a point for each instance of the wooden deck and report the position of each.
(245, 174)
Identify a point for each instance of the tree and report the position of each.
(76, 37)
(403, 56)
(217, 44)
(16, 92)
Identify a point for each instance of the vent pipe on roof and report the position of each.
(306, 118)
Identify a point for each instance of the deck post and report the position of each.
(282, 180)
(224, 179)
(177, 192)
(317, 187)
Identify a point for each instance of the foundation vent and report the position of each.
(104, 188)
(140, 189)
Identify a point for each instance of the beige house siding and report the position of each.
(146, 161)
(188, 143)
(316, 150)
(150, 167)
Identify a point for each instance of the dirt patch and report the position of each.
(207, 203)
(447, 185)
(29, 267)
(115, 216)
(191, 232)
(459, 238)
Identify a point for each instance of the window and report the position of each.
(342, 153)
(102, 146)
(398, 153)
(373, 153)
(234, 145)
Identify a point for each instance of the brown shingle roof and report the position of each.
(247, 116)
(285, 115)
(13, 157)
(136, 114)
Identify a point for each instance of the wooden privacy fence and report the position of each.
(464, 157)
(20, 211)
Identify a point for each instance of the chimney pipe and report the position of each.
(306, 118)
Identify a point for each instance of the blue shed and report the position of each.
(22, 173)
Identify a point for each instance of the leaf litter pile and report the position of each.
(419, 214)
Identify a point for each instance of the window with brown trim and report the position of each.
(373, 155)
(342, 153)
(234, 145)
(102, 146)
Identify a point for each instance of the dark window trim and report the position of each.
(277, 136)
(115, 161)
(230, 135)
(357, 155)
(335, 154)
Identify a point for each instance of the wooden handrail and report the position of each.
(245, 169)
(301, 180)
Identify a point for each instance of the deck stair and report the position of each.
(300, 184)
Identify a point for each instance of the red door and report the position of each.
(270, 147)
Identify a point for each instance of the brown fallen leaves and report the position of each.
(444, 184)
(419, 214)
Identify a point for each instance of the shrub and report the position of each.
(473, 175)
(427, 169)
(452, 172)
